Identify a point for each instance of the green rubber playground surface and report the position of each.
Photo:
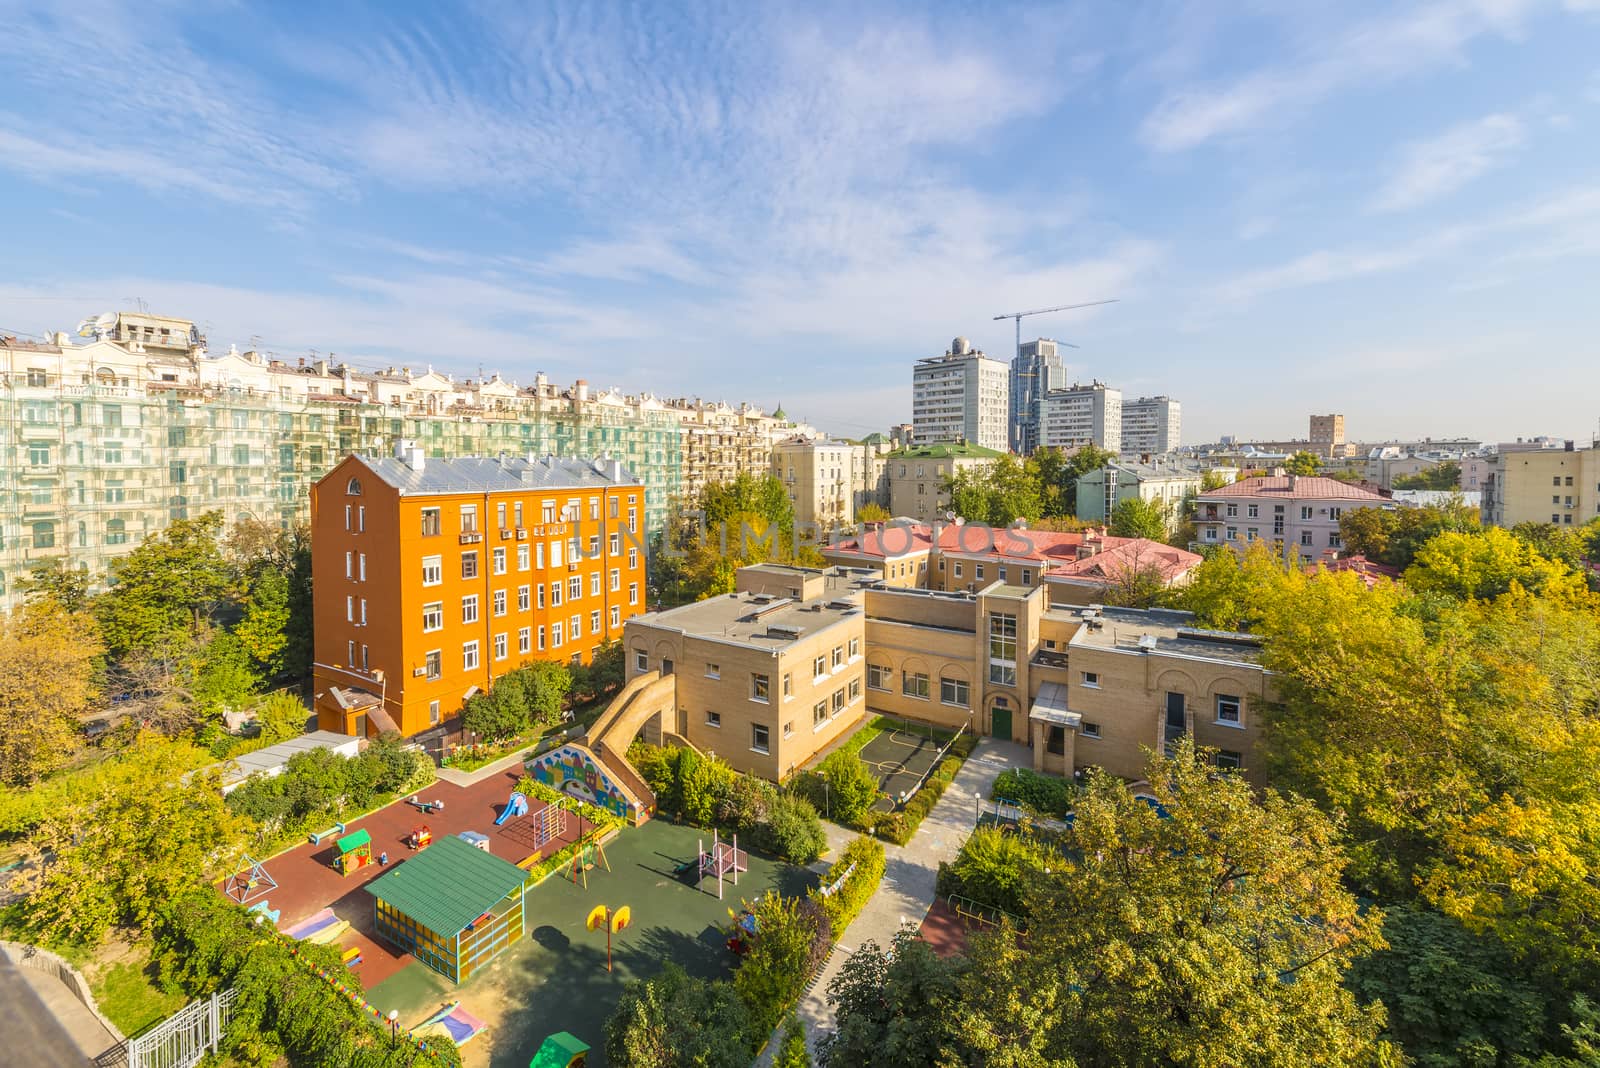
(555, 979)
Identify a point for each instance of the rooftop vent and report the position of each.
(1147, 642)
(786, 633)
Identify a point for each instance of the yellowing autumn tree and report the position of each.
(47, 661)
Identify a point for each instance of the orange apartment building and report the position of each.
(433, 577)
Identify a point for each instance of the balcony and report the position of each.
(1051, 658)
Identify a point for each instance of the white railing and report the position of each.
(182, 1039)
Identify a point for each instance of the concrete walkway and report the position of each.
(910, 871)
(42, 1017)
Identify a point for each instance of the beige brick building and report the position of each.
(916, 477)
(1559, 486)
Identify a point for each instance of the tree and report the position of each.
(56, 580)
(997, 494)
(47, 682)
(1565, 545)
(1077, 464)
(137, 830)
(172, 585)
(792, 940)
(900, 1009)
(1135, 517)
(675, 1021)
(224, 676)
(1452, 997)
(281, 716)
(1303, 463)
(1229, 592)
(1183, 935)
(1393, 535)
(1444, 476)
(852, 788)
(872, 512)
(1487, 563)
(262, 632)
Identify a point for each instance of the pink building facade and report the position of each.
(1298, 515)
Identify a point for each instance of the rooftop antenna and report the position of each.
(1019, 316)
(143, 307)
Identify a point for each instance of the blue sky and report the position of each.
(1388, 211)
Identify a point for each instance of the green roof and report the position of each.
(944, 451)
(354, 840)
(447, 885)
(558, 1050)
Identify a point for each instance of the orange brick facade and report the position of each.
(425, 595)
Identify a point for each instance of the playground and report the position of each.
(321, 885)
(901, 757)
(555, 977)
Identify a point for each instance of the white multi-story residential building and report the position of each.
(1082, 415)
(1151, 426)
(828, 480)
(961, 396)
(106, 441)
(1036, 370)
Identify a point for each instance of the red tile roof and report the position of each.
(1042, 545)
(1113, 562)
(1297, 486)
(893, 539)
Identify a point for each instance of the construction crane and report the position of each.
(1019, 316)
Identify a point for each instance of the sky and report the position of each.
(1386, 210)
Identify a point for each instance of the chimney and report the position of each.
(581, 390)
(409, 453)
(1294, 480)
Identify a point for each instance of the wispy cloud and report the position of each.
(1431, 168)
(1370, 53)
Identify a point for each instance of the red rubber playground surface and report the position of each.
(308, 882)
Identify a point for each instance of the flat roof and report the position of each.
(501, 474)
(447, 885)
(274, 757)
(1131, 630)
(764, 621)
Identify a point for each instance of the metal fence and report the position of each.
(183, 1038)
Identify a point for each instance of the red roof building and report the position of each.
(1298, 514)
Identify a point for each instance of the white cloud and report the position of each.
(1432, 168)
(1371, 53)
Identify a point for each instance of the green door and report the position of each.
(1000, 722)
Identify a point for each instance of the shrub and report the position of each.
(675, 1018)
(846, 903)
(852, 788)
(1046, 794)
(703, 784)
(793, 938)
(748, 803)
(793, 830)
(898, 827)
(993, 868)
(793, 1053)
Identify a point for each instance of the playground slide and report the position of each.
(644, 698)
(517, 806)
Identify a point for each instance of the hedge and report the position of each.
(1046, 794)
(846, 903)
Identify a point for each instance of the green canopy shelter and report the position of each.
(561, 1050)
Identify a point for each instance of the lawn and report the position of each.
(556, 979)
(126, 991)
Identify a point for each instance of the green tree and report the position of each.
(1444, 476)
(872, 512)
(1134, 517)
(901, 1009)
(262, 632)
(1393, 535)
(223, 675)
(1565, 545)
(997, 494)
(281, 716)
(171, 586)
(1229, 592)
(1075, 465)
(47, 683)
(1182, 936)
(56, 580)
(792, 940)
(1303, 463)
(852, 788)
(1487, 563)
(675, 1021)
(144, 826)
(1452, 997)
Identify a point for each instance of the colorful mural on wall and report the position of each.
(574, 771)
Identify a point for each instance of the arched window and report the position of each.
(353, 488)
(44, 535)
(116, 532)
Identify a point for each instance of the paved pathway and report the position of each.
(36, 1004)
(910, 871)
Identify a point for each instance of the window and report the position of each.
(1305, 537)
(788, 729)
(594, 621)
(555, 635)
(616, 580)
(958, 569)
(1333, 539)
(713, 719)
(855, 648)
(1335, 513)
(1305, 511)
(787, 682)
(574, 587)
(838, 701)
(469, 565)
(469, 656)
(1233, 533)
(433, 712)
(361, 516)
(555, 593)
(433, 617)
(838, 657)
(1091, 679)
(758, 737)
(713, 671)
(977, 571)
(432, 570)
(616, 616)
(498, 600)
(1253, 511)
(38, 452)
(500, 515)
(1252, 533)
(469, 519)
(1089, 730)
(430, 522)
(350, 653)
(1003, 649)
(1229, 760)
(914, 684)
(522, 558)
(633, 593)
(469, 608)
(524, 599)
(577, 628)
(1229, 710)
(594, 584)
(878, 677)
(1233, 511)
(633, 559)
(954, 692)
(1555, 480)
(1027, 577)
(541, 595)
(759, 685)
(434, 663)
(819, 666)
(498, 559)
(349, 559)
(525, 639)
(499, 646)
(538, 556)
(349, 602)
(855, 690)
(541, 635)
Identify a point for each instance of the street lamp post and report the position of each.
(394, 1028)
